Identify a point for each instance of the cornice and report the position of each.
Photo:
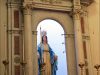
(12, 5)
(87, 2)
(49, 6)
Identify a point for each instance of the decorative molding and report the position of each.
(85, 37)
(83, 12)
(83, 2)
(34, 32)
(86, 63)
(86, 2)
(51, 1)
(5, 62)
(69, 35)
(81, 65)
(13, 5)
(53, 5)
(27, 5)
(14, 31)
(17, 59)
(97, 67)
(78, 12)
(27, 9)
(14, 1)
(23, 63)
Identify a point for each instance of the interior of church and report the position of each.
(19, 20)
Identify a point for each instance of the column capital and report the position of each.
(27, 8)
(27, 5)
(76, 9)
(84, 12)
(78, 12)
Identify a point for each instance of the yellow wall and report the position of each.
(3, 24)
(94, 27)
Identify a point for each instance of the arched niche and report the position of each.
(67, 23)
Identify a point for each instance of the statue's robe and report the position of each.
(47, 59)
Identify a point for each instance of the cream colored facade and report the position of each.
(18, 36)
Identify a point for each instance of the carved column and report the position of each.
(28, 41)
(78, 34)
(78, 38)
(70, 52)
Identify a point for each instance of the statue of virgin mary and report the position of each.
(47, 60)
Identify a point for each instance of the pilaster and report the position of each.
(78, 36)
(28, 52)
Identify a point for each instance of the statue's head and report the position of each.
(44, 37)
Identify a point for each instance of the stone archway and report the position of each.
(33, 14)
(67, 23)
